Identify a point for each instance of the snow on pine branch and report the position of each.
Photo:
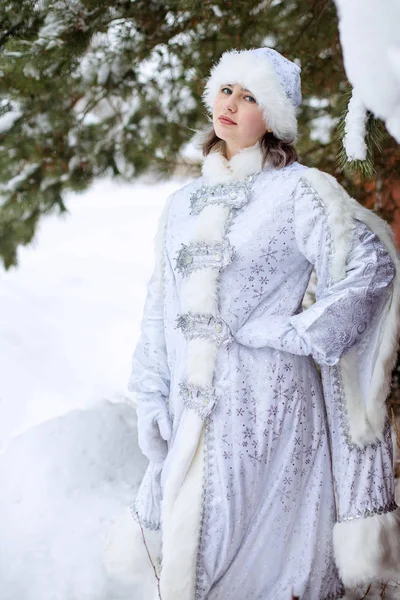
(14, 183)
(354, 133)
(8, 119)
(370, 39)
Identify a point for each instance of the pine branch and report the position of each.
(367, 592)
(82, 56)
(149, 555)
(373, 140)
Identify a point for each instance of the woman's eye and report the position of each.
(227, 91)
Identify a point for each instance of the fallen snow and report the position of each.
(70, 313)
(63, 483)
(69, 460)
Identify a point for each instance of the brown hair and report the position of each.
(276, 152)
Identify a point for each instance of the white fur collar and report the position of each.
(217, 169)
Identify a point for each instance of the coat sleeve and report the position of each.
(344, 309)
(150, 376)
(343, 331)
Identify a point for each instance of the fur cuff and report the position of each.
(125, 557)
(368, 549)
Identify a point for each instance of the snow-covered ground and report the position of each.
(69, 460)
(70, 313)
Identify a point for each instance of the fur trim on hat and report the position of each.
(257, 74)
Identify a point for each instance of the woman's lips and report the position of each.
(226, 121)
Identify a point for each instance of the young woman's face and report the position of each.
(237, 118)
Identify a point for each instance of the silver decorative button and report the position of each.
(218, 327)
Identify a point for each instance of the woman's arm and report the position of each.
(150, 376)
(344, 309)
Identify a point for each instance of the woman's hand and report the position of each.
(154, 432)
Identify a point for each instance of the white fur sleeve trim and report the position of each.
(368, 549)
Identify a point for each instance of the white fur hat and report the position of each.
(273, 79)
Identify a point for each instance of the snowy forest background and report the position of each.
(99, 109)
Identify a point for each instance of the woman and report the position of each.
(265, 480)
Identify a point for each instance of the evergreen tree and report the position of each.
(89, 89)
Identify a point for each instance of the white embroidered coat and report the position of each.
(267, 478)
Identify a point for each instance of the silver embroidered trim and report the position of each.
(206, 326)
(329, 243)
(201, 399)
(207, 492)
(338, 391)
(200, 255)
(234, 194)
(141, 520)
(379, 510)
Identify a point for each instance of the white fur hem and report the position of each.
(181, 518)
(368, 549)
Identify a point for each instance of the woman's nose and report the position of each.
(231, 103)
